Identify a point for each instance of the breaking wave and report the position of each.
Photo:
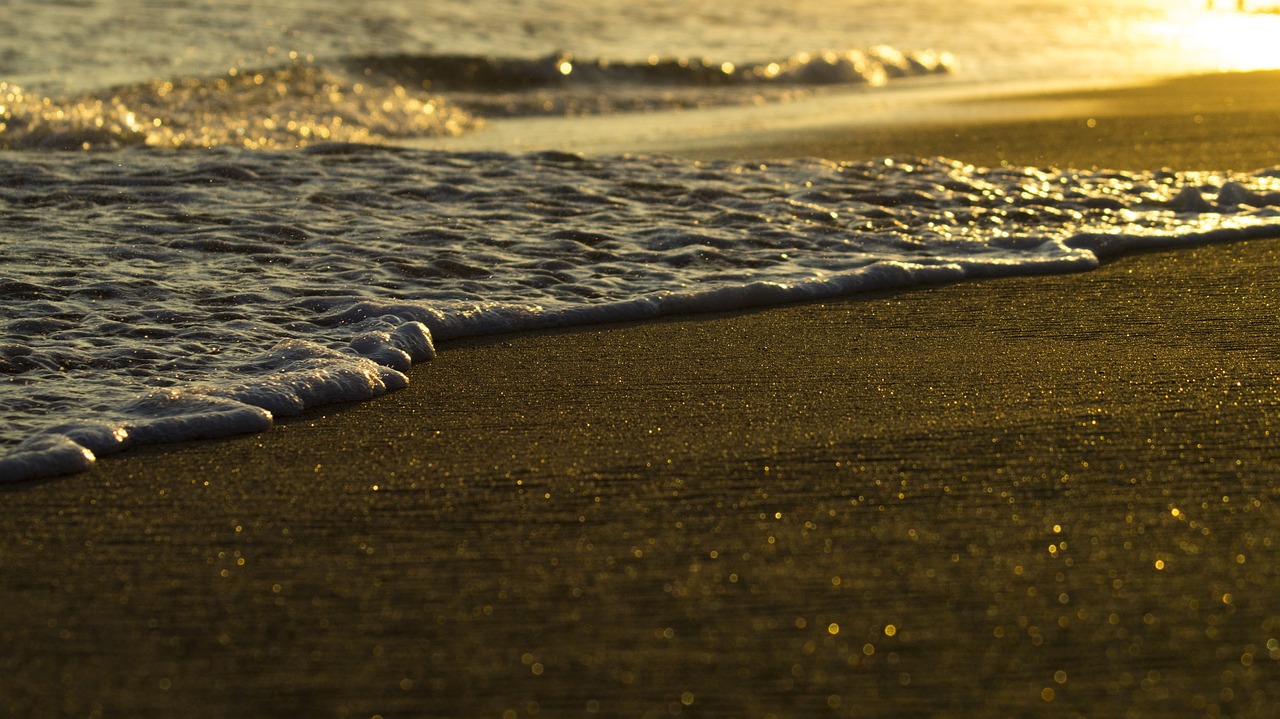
(376, 99)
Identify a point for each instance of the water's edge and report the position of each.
(381, 338)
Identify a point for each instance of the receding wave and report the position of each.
(375, 99)
(161, 296)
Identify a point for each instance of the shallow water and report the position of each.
(165, 278)
(181, 295)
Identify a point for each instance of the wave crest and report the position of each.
(564, 84)
(375, 99)
(289, 106)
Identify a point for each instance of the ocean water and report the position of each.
(210, 219)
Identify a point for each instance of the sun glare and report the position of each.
(1227, 38)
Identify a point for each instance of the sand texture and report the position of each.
(1209, 122)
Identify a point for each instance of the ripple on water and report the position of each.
(245, 297)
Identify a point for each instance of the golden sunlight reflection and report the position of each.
(1226, 38)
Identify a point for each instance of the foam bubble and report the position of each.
(44, 456)
(179, 416)
(249, 286)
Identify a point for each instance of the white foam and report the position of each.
(179, 415)
(47, 455)
(223, 290)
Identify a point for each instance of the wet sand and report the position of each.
(1206, 122)
(1047, 496)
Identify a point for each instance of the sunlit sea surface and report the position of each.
(209, 221)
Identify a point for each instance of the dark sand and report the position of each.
(1048, 496)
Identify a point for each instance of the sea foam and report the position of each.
(380, 98)
(160, 296)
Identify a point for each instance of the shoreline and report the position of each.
(996, 498)
(1192, 122)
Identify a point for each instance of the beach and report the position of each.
(1219, 121)
(1039, 496)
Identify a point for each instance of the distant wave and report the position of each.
(373, 99)
(289, 106)
(874, 66)
(563, 84)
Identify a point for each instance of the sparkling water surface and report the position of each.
(202, 233)
(79, 45)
